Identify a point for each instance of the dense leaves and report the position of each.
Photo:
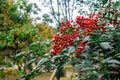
(22, 43)
(90, 44)
(96, 46)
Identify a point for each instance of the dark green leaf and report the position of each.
(42, 61)
(1, 68)
(104, 61)
(79, 66)
(72, 62)
(116, 5)
(58, 57)
(17, 56)
(104, 1)
(31, 61)
(59, 72)
(109, 72)
(88, 63)
(88, 68)
(113, 61)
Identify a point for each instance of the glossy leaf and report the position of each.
(42, 61)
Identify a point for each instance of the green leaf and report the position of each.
(2, 36)
(104, 61)
(113, 61)
(118, 54)
(112, 65)
(1, 68)
(93, 75)
(42, 61)
(58, 57)
(76, 60)
(60, 69)
(116, 5)
(2, 46)
(117, 57)
(31, 61)
(104, 1)
(59, 72)
(109, 72)
(17, 56)
(88, 68)
(79, 66)
(32, 74)
(68, 30)
(105, 45)
(20, 72)
(88, 63)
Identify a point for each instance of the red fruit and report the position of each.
(77, 55)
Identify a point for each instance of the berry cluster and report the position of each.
(80, 49)
(63, 41)
(71, 30)
(89, 24)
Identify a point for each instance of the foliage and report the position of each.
(90, 44)
(21, 42)
(15, 20)
(46, 32)
(46, 19)
(94, 47)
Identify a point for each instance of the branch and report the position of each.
(53, 12)
(53, 75)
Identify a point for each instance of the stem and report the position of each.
(53, 12)
(53, 75)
